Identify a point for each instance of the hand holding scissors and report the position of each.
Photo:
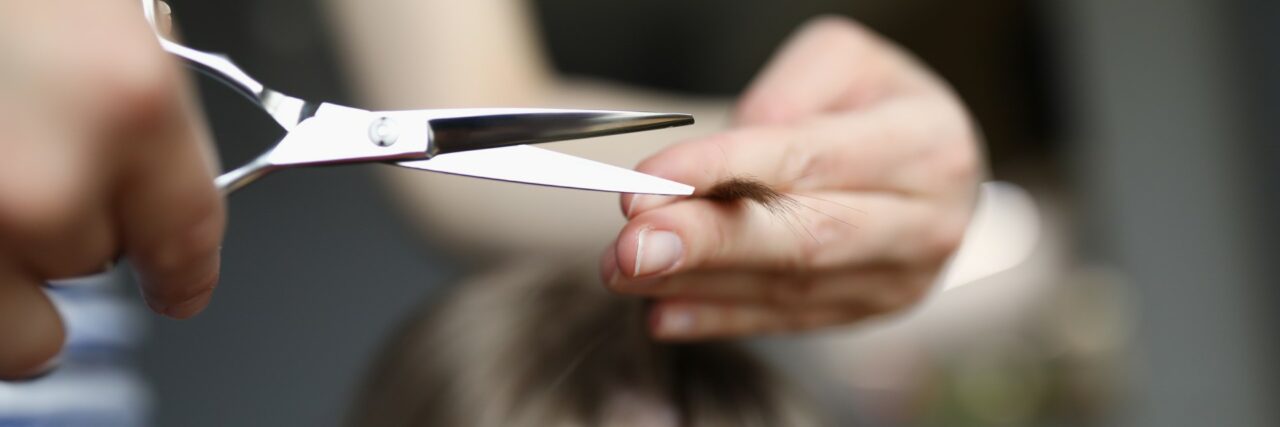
(104, 153)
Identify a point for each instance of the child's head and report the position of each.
(533, 347)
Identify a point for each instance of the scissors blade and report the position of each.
(532, 165)
(458, 130)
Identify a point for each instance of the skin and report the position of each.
(881, 152)
(104, 154)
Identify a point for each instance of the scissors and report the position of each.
(487, 143)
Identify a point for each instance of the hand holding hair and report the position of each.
(846, 183)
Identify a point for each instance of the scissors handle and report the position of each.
(288, 111)
(237, 178)
(219, 67)
(213, 65)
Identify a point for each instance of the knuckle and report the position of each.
(813, 253)
(60, 228)
(797, 163)
(765, 107)
(28, 212)
(719, 239)
(87, 258)
(921, 135)
(949, 153)
(140, 85)
(826, 231)
(728, 141)
(803, 258)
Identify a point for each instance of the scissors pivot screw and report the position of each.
(384, 132)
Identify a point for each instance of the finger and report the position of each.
(767, 154)
(173, 219)
(164, 18)
(823, 231)
(684, 320)
(170, 214)
(888, 148)
(830, 63)
(52, 213)
(53, 175)
(31, 331)
(882, 289)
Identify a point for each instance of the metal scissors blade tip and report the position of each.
(533, 165)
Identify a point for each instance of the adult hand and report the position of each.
(103, 154)
(880, 160)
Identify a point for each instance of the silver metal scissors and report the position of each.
(485, 143)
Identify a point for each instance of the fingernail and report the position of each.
(656, 251)
(190, 307)
(157, 306)
(44, 370)
(164, 18)
(676, 322)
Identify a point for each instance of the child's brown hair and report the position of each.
(533, 347)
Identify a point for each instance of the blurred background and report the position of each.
(1147, 131)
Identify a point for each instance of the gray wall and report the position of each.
(1166, 158)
